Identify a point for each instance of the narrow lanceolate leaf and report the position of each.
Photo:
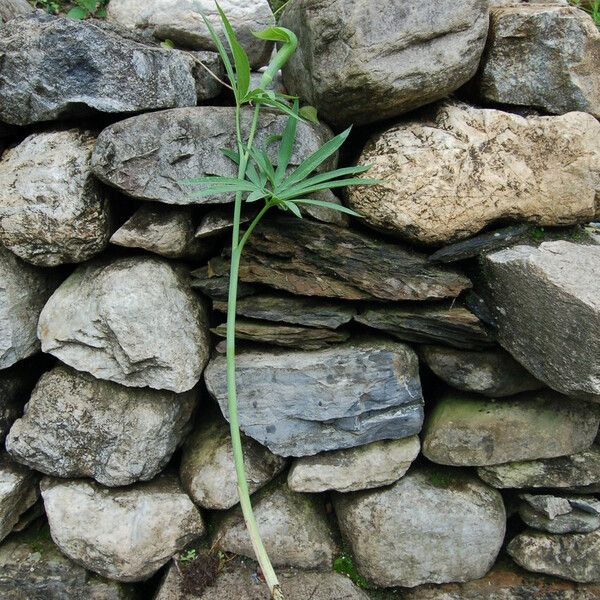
(264, 163)
(212, 179)
(273, 34)
(287, 145)
(231, 155)
(257, 195)
(293, 208)
(309, 113)
(324, 177)
(331, 185)
(329, 205)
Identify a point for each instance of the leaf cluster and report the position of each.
(75, 9)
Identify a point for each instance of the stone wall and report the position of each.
(419, 389)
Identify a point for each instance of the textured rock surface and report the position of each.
(125, 534)
(542, 56)
(426, 528)
(24, 290)
(429, 323)
(133, 321)
(357, 67)
(181, 22)
(33, 568)
(574, 556)
(207, 471)
(300, 403)
(449, 176)
(78, 426)
(546, 300)
(578, 470)
(492, 373)
(9, 9)
(464, 430)
(107, 71)
(52, 209)
(18, 492)
(294, 528)
(560, 514)
(374, 465)
(150, 156)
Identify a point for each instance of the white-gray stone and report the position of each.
(560, 514)
(9, 9)
(370, 466)
(134, 321)
(125, 534)
(78, 426)
(52, 209)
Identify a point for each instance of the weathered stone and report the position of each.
(370, 466)
(357, 67)
(287, 336)
(453, 325)
(301, 403)
(293, 309)
(9, 9)
(409, 533)
(207, 471)
(24, 290)
(239, 582)
(78, 426)
(464, 430)
(215, 285)
(463, 168)
(220, 220)
(542, 56)
(52, 209)
(546, 303)
(492, 373)
(133, 321)
(181, 21)
(14, 393)
(295, 530)
(18, 491)
(162, 230)
(33, 568)
(560, 514)
(578, 470)
(151, 156)
(80, 67)
(574, 556)
(125, 534)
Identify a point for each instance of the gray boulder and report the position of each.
(301, 403)
(125, 534)
(24, 290)
(542, 56)
(181, 21)
(370, 466)
(52, 209)
(80, 67)
(207, 471)
(357, 67)
(78, 426)
(546, 303)
(9, 9)
(150, 156)
(133, 321)
(295, 530)
(429, 527)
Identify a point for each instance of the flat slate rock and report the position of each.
(429, 324)
(215, 285)
(300, 403)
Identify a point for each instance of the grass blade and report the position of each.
(286, 147)
(324, 177)
(331, 185)
(329, 205)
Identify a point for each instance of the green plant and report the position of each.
(50, 6)
(88, 8)
(188, 556)
(259, 180)
(344, 565)
(592, 7)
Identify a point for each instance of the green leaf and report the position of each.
(329, 205)
(212, 179)
(293, 208)
(101, 13)
(257, 195)
(331, 185)
(263, 162)
(274, 34)
(231, 155)
(77, 13)
(309, 113)
(324, 177)
(287, 145)
(89, 5)
(167, 44)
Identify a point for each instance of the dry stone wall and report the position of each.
(419, 389)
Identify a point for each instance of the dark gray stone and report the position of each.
(14, 388)
(560, 514)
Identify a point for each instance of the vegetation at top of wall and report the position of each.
(74, 9)
(592, 7)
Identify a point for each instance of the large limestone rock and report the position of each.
(78, 426)
(295, 530)
(150, 156)
(207, 471)
(133, 321)
(464, 168)
(52, 209)
(492, 373)
(33, 568)
(357, 65)
(429, 527)
(370, 466)
(301, 403)
(125, 534)
(24, 290)
(546, 303)
(181, 21)
(542, 56)
(80, 67)
(574, 556)
(464, 430)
